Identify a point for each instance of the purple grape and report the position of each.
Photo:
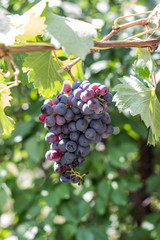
(62, 145)
(63, 99)
(93, 103)
(69, 115)
(81, 125)
(75, 110)
(65, 178)
(74, 136)
(99, 109)
(54, 146)
(97, 125)
(102, 90)
(77, 116)
(60, 120)
(71, 146)
(90, 133)
(50, 121)
(74, 102)
(106, 118)
(69, 157)
(59, 168)
(78, 162)
(75, 85)
(65, 129)
(46, 110)
(77, 92)
(57, 130)
(89, 94)
(80, 104)
(75, 179)
(109, 130)
(50, 137)
(83, 141)
(86, 110)
(83, 151)
(97, 116)
(108, 97)
(72, 126)
(61, 108)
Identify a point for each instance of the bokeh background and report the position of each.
(120, 198)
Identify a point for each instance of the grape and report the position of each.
(50, 137)
(66, 88)
(55, 100)
(53, 155)
(97, 116)
(93, 103)
(65, 129)
(69, 157)
(83, 151)
(74, 136)
(42, 118)
(69, 115)
(60, 120)
(74, 102)
(78, 162)
(83, 98)
(75, 118)
(86, 110)
(48, 101)
(71, 146)
(61, 108)
(62, 145)
(83, 141)
(75, 85)
(63, 136)
(80, 104)
(102, 90)
(109, 130)
(72, 126)
(59, 168)
(77, 92)
(106, 118)
(81, 125)
(107, 97)
(89, 94)
(94, 86)
(50, 121)
(75, 110)
(54, 146)
(90, 133)
(57, 130)
(63, 99)
(85, 86)
(65, 178)
(46, 110)
(75, 179)
(99, 109)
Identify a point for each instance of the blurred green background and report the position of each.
(120, 198)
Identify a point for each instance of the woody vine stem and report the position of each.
(105, 43)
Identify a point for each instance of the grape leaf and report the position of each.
(134, 96)
(144, 66)
(6, 123)
(74, 36)
(43, 73)
(30, 23)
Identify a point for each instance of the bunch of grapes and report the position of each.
(75, 118)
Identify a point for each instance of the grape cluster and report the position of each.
(75, 118)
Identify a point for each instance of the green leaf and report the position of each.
(6, 123)
(83, 209)
(3, 197)
(134, 96)
(84, 234)
(43, 73)
(119, 198)
(100, 206)
(99, 233)
(104, 189)
(69, 230)
(144, 66)
(73, 35)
